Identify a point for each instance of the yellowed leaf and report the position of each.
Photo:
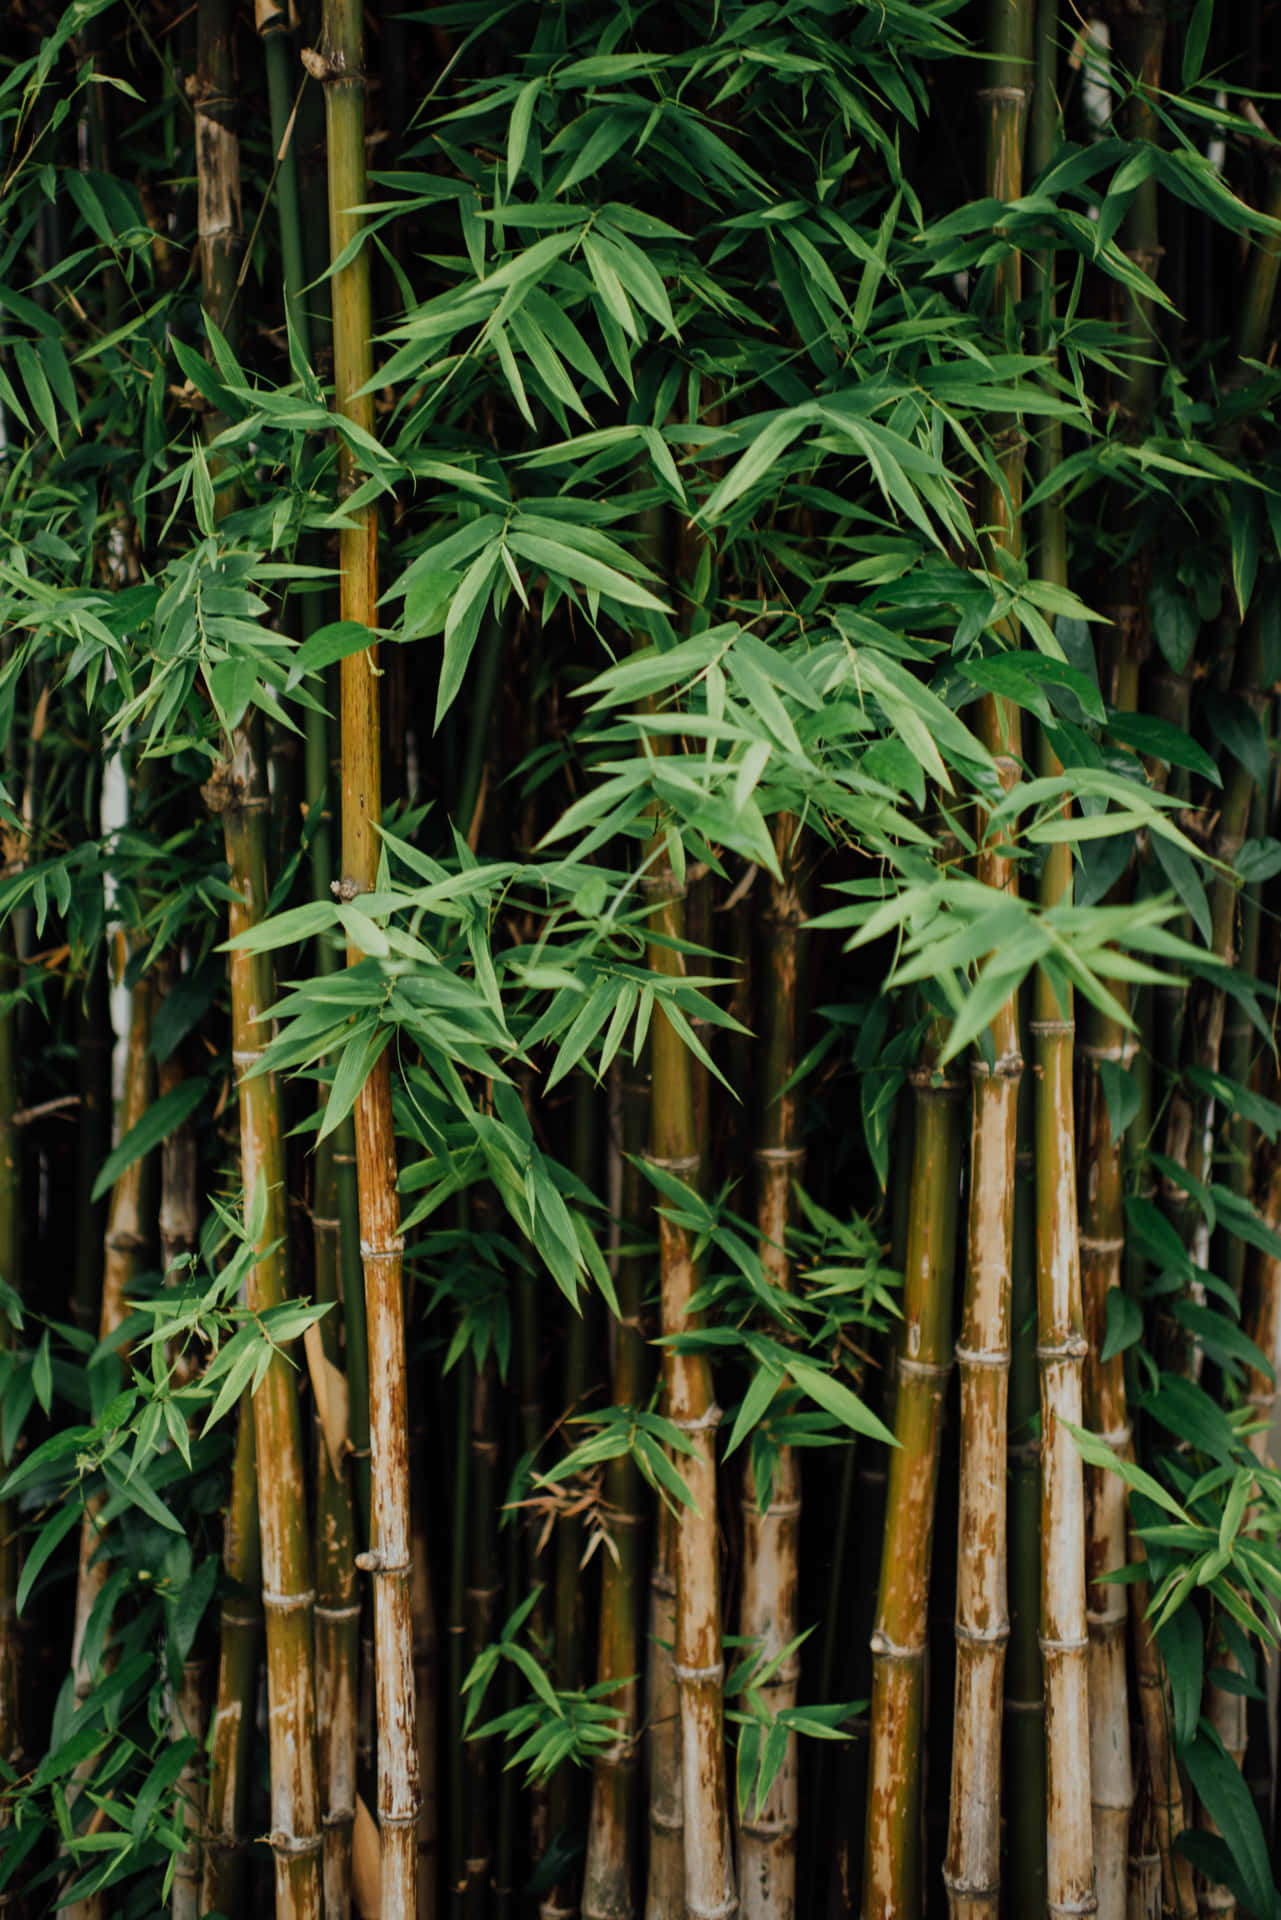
(329, 1384)
(366, 1865)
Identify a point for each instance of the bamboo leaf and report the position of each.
(163, 1117)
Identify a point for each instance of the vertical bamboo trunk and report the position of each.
(892, 1850)
(1177, 1880)
(665, 1881)
(1062, 1347)
(1264, 1322)
(237, 793)
(767, 1839)
(482, 1592)
(609, 1872)
(187, 1718)
(972, 1869)
(425, 1704)
(341, 65)
(691, 1406)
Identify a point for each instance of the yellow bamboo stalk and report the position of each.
(767, 1839)
(340, 64)
(892, 1851)
(691, 1407)
(971, 1870)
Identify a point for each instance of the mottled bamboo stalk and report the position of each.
(187, 1720)
(691, 1406)
(767, 1839)
(972, 1868)
(426, 1663)
(665, 1881)
(1264, 1321)
(341, 65)
(609, 1872)
(1062, 1349)
(482, 1595)
(232, 1732)
(892, 1850)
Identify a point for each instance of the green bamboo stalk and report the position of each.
(93, 1135)
(340, 63)
(609, 1872)
(892, 1850)
(767, 1838)
(691, 1406)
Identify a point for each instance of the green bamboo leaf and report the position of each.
(1096, 1452)
(466, 611)
(1181, 1642)
(1222, 1791)
(836, 1398)
(163, 1117)
(328, 644)
(46, 1543)
(518, 126)
(1196, 39)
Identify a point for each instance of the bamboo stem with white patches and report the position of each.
(767, 1838)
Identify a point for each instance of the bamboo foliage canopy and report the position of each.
(620, 627)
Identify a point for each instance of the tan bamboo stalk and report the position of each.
(971, 1871)
(1062, 1347)
(665, 1880)
(187, 1719)
(483, 1590)
(767, 1840)
(340, 63)
(892, 1851)
(691, 1406)
(1143, 1878)
(609, 1871)
(237, 792)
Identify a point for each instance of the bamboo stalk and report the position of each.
(691, 1406)
(341, 65)
(767, 1838)
(972, 1868)
(609, 1872)
(665, 1881)
(1177, 1879)
(482, 1593)
(232, 1728)
(892, 1851)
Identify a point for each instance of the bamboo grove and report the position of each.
(640, 1124)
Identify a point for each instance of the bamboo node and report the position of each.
(1004, 93)
(339, 1613)
(1123, 1053)
(288, 1602)
(318, 66)
(981, 1637)
(1074, 1347)
(1008, 1067)
(246, 1056)
(393, 1252)
(1047, 1645)
(1094, 1244)
(975, 1357)
(665, 1822)
(779, 1156)
(373, 1562)
(956, 1883)
(296, 1845)
(346, 890)
(692, 1675)
(923, 1369)
(701, 1423)
(1050, 1027)
(722, 1912)
(883, 1648)
(1088, 1903)
(676, 1162)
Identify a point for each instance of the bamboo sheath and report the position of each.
(690, 1405)
(767, 1839)
(340, 63)
(609, 1871)
(892, 1849)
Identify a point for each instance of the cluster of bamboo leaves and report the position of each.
(693, 397)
